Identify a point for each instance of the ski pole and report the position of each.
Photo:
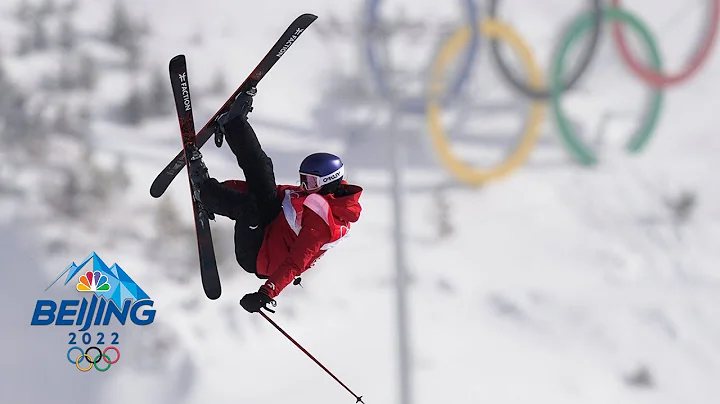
(359, 398)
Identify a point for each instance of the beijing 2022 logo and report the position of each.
(106, 293)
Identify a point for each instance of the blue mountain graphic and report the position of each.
(121, 285)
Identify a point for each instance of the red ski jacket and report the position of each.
(308, 226)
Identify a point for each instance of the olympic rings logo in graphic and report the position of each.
(93, 360)
(544, 91)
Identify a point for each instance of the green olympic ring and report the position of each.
(107, 360)
(640, 138)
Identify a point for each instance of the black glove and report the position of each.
(253, 302)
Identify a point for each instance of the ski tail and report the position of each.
(286, 40)
(183, 105)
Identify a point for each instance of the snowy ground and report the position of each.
(556, 284)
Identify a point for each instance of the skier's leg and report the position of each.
(248, 239)
(224, 200)
(256, 165)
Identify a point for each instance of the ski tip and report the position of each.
(312, 17)
(158, 187)
(212, 295)
(177, 63)
(178, 58)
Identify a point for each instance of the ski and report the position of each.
(291, 34)
(183, 105)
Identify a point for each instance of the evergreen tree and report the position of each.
(47, 9)
(132, 111)
(87, 76)
(62, 122)
(39, 36)
(66, 76)
(24, 11)
(67, 38)
(158, 100)
(125, 34)
(121, 28)
(121, 175)
(219, 84)
(68, 200)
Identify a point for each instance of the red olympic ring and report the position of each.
(655, 78)
(117, 351)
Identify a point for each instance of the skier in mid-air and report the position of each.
(280, 230)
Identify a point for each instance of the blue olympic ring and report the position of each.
(70, 350)
(418, 105)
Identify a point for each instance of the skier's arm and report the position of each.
(313, 235)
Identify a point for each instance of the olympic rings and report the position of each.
(466, 173)
(585, 58)
(377, 71)
(653, 77)
(93, 361)
(640, 138)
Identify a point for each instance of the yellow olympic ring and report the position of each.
(449, 50)
(77, 362)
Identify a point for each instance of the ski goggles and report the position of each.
(312, 182)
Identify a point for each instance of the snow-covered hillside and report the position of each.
(558, 283)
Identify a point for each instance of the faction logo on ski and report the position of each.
(101, 294)
(290, 41)
(185, 91)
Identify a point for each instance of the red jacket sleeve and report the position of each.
(313, 235)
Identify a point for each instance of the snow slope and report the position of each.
(556, 284)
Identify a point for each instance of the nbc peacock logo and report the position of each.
(104, 295)
(93, 282)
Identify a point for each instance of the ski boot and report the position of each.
(198, 175)
(241, 107)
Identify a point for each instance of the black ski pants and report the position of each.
(252, 210)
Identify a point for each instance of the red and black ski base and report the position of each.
(183, 105)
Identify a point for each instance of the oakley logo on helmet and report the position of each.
(332, 177)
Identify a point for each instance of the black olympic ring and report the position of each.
(586, 57)
(99, 355)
